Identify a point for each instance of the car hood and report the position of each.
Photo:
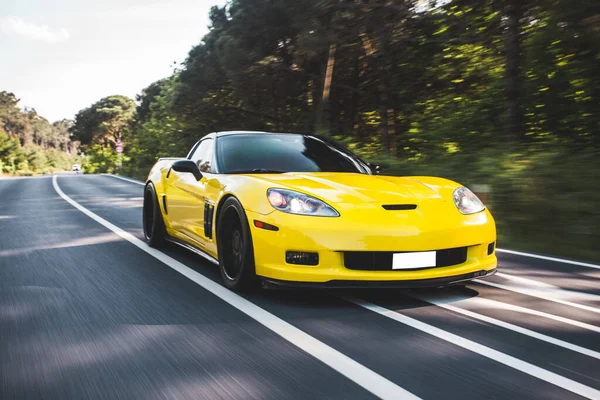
(350, 188)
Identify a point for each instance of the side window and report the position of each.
(203, 155)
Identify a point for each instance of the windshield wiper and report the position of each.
(267, 171)
(256, 171)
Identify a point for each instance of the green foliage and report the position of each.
(105, 121)
(10, 153)
(29, 144)
(11, 118)
(30, 159)
(100, 159)
(479, 91)
(98, 128)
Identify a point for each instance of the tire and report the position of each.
(234, 242)
(154, 225)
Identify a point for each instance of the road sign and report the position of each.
(119, 146)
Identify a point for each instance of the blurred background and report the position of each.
(500, 95)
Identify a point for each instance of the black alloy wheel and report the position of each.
(154, 226)
(234, 241)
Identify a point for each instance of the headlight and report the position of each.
(466, 201)
(299, 203)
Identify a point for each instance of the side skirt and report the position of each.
(192, 249)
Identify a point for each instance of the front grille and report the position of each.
(399, 206)
(382, 260)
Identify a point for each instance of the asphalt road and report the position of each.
(87, 311)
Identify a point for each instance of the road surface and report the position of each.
(87, 311)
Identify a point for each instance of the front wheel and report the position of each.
(154, 225)
(234, 241)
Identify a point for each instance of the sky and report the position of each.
(61, 56)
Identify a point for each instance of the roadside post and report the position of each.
(119, 150)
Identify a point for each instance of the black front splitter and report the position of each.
(268, 283)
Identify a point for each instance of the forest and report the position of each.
(29, 144)
(501, 94)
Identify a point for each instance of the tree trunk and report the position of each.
(323, 115)
(352, 107)
(384, 84)
(513, 79)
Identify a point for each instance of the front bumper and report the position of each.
(331, 237)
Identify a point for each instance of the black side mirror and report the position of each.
(375, 168)
(187, 166)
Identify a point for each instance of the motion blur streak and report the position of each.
(485, 351)
(543, 291)
(481, 303)
(559, 260)
(361, 375)
(515, 328)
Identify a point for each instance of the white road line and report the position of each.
(125, 179)
(548, 258)
(343, 364)
(545, 293)
(514, 328)
(565, 293)
(510, 361)
(482, 303)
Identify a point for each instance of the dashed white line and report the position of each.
(545, 292)
(482, 303)
(361, 375)
(514, 328)
(548, 258)
(510, 361)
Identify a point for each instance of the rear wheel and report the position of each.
(154, 226)
(234, 241)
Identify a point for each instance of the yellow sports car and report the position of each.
(300, 210)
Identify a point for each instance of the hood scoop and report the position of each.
(393, 207)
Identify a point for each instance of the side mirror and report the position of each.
(187, 166)
(376, 168)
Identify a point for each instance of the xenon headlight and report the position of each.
(466, 201)
(299, 203)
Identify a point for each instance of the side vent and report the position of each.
(209, 210)
(393, 207)
(164, 199)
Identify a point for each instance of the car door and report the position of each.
(187, 197)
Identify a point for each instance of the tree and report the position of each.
(147, 98)
(62, 135)
(105, 121)
(28, 142)
(10, 153)
(11, 118)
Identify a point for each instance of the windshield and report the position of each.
(273, 153)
